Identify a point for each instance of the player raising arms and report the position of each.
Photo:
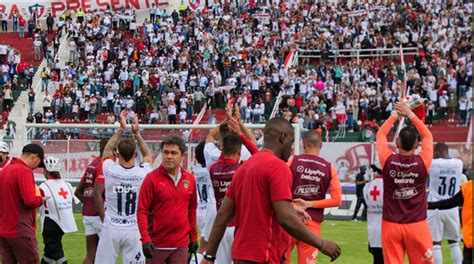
(85, 193)
(445, 179)
(260, 199)
(221, 176)
(313, 177)
(404, 225)
(123, 180)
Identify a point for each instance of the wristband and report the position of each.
(411, 115)
(209, 258)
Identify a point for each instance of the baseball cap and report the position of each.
(35, 149)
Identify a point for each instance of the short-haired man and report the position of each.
(313, 177)
(404, 225)
(445, 179)
(85, 193)
(259, 199)
(122, 184)
(20, 198)
(4, 158)
(169, 195)
(212, 153)
(462, 198)
(222, 173)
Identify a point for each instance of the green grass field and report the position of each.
(351, 237)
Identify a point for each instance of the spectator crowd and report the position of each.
(165, 69)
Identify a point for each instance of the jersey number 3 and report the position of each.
(443, 186)
(130, 203)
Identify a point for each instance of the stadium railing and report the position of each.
(357, 53)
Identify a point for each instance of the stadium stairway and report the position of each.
(19, 112)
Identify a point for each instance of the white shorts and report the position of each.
(209, 220)
(92, 225)
(113, 240)
(201, 221)
(444, 224)
(224, 251)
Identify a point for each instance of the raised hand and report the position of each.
(403, 109)
(234, 126)
(123, 119)
(136, 126)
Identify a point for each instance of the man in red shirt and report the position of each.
(260, 200)
(85, 193)
(169, 194)
(20, 198)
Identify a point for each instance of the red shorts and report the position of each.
(306, 253)
(413, 239)
(19, 250)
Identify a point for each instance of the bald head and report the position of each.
(312, 140)
(275, 126)
(278, 137)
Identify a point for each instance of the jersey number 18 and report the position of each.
(130, 203)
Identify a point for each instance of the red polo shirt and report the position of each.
(261, 180)
(19, 200)
(166, 212)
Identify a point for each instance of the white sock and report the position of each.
(456, 255)
(437, 254)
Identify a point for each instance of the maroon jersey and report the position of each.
(311, 178)
(221, 176)
(404, 184)
(89, 177)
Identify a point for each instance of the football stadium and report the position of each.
(236, 131)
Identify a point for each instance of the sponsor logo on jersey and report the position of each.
(405, 193)
(122, 221)
(124, 188)
(307, 190)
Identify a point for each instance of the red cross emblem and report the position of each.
(375, 192)
(63, 193)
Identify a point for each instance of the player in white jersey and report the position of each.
(373, 195)
(123, 180)
(445, 179)
(203, 182)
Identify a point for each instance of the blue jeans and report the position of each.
(32, 106)
(44, 85)
(15, 26)
(22, 32)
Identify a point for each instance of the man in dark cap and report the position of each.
(20, 198)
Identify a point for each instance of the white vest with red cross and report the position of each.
(58, 206)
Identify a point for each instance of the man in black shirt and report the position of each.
(360, 183)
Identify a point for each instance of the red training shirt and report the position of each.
(259, 181)
(19, 200)
(92, 173)
(171, 207)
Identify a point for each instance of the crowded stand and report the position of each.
(167, 67)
